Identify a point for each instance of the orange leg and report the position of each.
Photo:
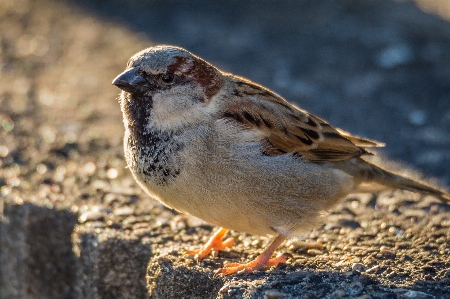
(260, 262)
(213, 246)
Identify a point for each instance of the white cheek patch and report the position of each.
(175, 109)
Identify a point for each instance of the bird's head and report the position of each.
(174, 83)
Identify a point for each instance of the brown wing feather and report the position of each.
(288, 129)
(358, 141)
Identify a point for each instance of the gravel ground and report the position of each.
(366, 66)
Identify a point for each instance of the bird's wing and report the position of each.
(284, 128)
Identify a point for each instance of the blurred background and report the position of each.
(379, 69)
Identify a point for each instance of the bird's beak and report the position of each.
(131, 82)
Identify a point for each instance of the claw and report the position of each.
(263, 260)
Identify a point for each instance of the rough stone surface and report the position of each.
(167, 280)
(74, 224)
(36, 252)
(111, 266)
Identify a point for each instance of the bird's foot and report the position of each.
(257, 264)
(213, 246)
(264, 259)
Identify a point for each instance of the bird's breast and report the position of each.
(152, 157)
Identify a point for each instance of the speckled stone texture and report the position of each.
(110, 265)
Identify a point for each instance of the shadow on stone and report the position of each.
(36, 252)
(110, 264)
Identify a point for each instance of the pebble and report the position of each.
(403, 245)
(296, 245)
(129, 221)
(179, 222)
(386, 252)
(224, 289)
(416, 295)
(406, 258)
(358, 267)
(273, 294)
(391, 274)
(124, 211)
(142, 231)
(373, 269)
(347, 273)
(314, 251)
(95, 224)
(110, 198)
(92, 215)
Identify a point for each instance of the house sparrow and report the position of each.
(236, 154)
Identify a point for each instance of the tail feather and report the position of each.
(367, 172)
(415, 186)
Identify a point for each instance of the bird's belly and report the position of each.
(248, 202)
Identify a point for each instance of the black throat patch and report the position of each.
(150, 152)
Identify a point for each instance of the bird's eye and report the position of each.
(167, 77)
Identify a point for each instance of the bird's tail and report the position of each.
(367, 172)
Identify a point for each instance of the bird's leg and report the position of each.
(213, 246)
(260, 262)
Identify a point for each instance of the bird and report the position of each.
(237, 155)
